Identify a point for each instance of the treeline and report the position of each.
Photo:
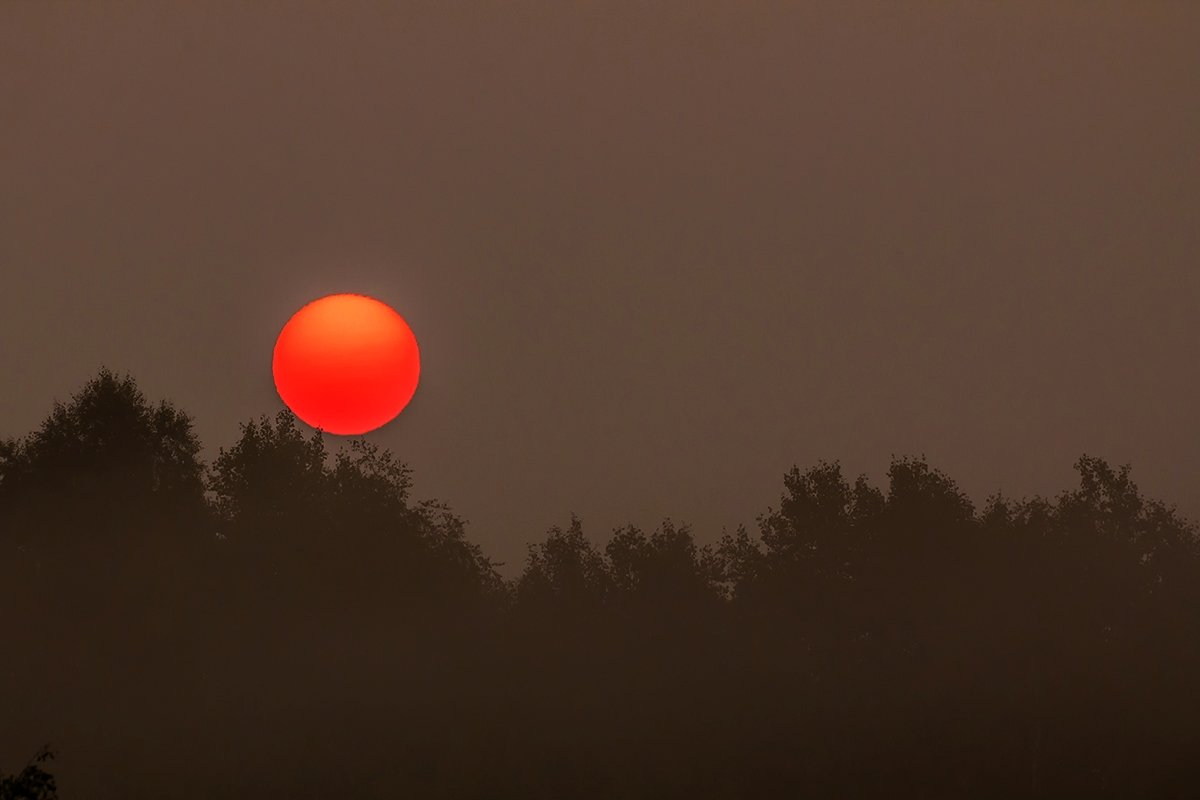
(289, 622)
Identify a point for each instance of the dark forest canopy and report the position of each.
(291, 622)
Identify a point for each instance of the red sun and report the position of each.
(346, 364)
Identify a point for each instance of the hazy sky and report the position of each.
(654, 253)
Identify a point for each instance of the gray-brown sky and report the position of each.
(655, 253)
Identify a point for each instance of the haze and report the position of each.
(654, 254)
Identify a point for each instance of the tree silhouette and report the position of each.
(565, 574)
(292, 622)
(317, 526)
(33, 782)
(664, 573)
(105, 455)
(103, 523)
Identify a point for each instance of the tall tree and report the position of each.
(564, 574)
(319, 527)
(104, 459)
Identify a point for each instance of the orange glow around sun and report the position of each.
(346, 364)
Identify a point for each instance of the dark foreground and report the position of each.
(287, 624)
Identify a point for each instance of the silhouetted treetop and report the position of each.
(822, 521)
(273, 475)
(565, 572)
(109, 433)
(343, 523)
(665, 567)
(108, 453)
(33, 782)
(921, 496)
